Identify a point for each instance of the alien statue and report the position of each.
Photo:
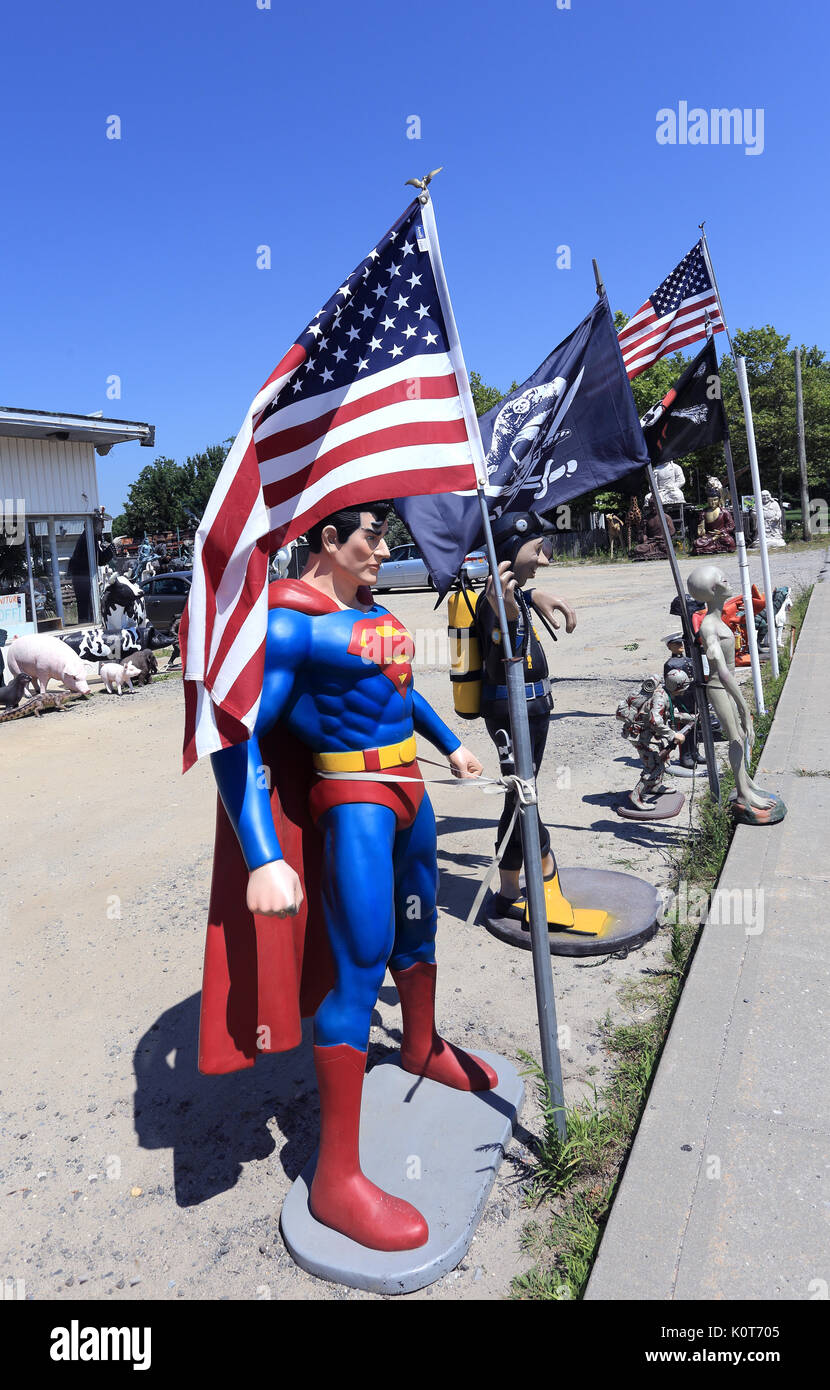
(751, 805)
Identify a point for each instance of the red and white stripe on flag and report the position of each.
(646, 338)
(674, 315)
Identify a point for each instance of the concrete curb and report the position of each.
(725, 1191)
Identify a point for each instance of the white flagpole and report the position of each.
(743, 563)
(743, 387)
(517, 702)
(743, 384)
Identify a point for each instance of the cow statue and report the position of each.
(145, 637)
(96, 644)
(122, 604)
(92, 644)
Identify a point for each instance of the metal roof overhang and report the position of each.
(80, 429)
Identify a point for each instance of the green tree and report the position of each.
(770, 370)
(397, 532)
(167, 494)
(154, 500)
(199, 473)
(485, 397)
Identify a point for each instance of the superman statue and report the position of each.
(310, 831)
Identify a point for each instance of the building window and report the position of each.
(47, 613)
(73, 561)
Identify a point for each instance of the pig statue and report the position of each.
(118, 674)
(46, 658)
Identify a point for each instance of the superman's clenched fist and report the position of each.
(274, 890)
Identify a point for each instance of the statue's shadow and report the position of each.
(215, 1124)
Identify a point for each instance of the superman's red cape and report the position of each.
(263, 975)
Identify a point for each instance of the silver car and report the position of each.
(406, 569)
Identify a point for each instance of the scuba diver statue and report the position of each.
(523, 543)
(751, 805)
(338, 688)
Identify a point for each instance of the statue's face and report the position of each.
(720, 585)
(708, 585)
(363, 552)
(533, 553)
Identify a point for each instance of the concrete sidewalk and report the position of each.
(726, 1194)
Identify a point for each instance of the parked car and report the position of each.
(406, 569)
(475, 566)
(165, 596)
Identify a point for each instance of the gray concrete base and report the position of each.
(666, 806)
(435, 1147)
(633, 906)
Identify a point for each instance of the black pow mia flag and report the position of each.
(571, 428)
(690, 415)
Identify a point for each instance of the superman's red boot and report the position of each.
(423, 1052)
(341, 1197)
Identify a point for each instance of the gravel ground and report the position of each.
(126, 1175)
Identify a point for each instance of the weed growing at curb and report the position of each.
(580, 1174)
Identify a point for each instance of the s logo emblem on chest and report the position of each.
(382, 641)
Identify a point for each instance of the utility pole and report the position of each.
(802, 449)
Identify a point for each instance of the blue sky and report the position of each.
(287, 127)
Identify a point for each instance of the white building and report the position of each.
(50, 514)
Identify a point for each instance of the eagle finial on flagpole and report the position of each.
(423, 183)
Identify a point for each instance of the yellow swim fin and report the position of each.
(584, 921)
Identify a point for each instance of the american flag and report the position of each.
(673, 316)
(371, 401)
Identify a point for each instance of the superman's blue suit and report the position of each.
(338, 684)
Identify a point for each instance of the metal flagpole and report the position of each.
(695, 654)
(806, 532)
(517, 703)
(743, 563)
(743, 387)
(746, 586)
